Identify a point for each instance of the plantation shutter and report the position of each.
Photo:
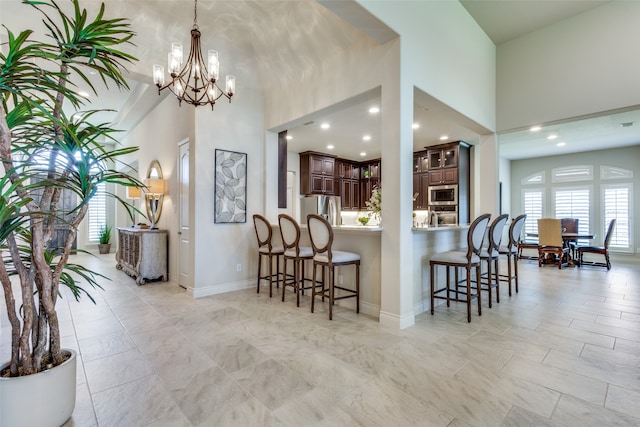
(532, 206)
(97, 214)
(574, 203)
(616, 205)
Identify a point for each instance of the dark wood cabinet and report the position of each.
(317, 173)
(444, 164)
(420, 162)
(353, 181)
(370, 173)
(350, 194)
(421, 187)
(443, 156)
(443, 176)
(348, 179)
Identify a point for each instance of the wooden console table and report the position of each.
(142, 254)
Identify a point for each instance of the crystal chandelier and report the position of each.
(196, 83)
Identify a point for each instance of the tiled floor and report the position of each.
(565, 351)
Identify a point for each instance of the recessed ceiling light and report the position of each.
(363, 154)
(374, 110)
(325, 126)
(561, 144)
(289, 137)
(366, 138)
(444, 137)
(329, 147)
(535, 128)
(83, 94)
(552, 137)
(416, 125)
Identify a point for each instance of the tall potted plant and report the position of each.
(43, 153)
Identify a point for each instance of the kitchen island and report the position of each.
(366, 241)
(363, 240)
(426, 242)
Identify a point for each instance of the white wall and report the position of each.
(444, 53)
(219, 248)
(582, 65)
(158, 136)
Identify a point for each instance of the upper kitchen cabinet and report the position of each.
(443, 176)
(317, 173)
(420, 162)
(348, 181)
(369, 179)
(371, 169)
(443, 156)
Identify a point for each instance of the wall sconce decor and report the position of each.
(154, 192)
(133, 194)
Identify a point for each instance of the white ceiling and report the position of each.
(266, 42)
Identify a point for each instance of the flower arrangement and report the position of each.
(374, 204)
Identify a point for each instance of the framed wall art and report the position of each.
(230, 187)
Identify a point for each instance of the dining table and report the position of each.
(570, 237)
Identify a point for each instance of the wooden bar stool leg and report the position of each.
(497, 278)
(332, 276)
(259, 272)
(448, 290)
(515, 272)
(479, 293)
(357, 288)
(488, 282)
(313, 287)
(270, 276)
(469, 294)
(432, 287)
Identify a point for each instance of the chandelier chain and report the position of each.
(195, 14)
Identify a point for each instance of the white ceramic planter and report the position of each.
(45, 399)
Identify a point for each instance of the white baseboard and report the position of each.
(396, 321)
(221, 288)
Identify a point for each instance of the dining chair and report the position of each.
(490, 252)
(290, 233)
(550, 241)
(468, 259)
(510, 250)
(603, 250)
(321, 234)
(266, 250)
(570, 225)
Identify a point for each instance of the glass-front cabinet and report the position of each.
(446, 157)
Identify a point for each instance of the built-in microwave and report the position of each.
(443, 195)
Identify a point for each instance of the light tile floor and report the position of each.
(564, 351)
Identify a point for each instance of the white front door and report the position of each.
(184, 250)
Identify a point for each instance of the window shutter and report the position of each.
(574, 203)
(97, 214)
(616, 202)
(532, 206)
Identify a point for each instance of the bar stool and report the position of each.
(268, 251)
(467, 259)
(290, 232)
(324, 256)
(491, 253)
(511, 250)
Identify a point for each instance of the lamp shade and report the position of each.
(133, 193)
(154, 185)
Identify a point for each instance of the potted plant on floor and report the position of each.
(104, 242)
(43, 152)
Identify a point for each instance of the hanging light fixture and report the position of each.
(196, 83)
